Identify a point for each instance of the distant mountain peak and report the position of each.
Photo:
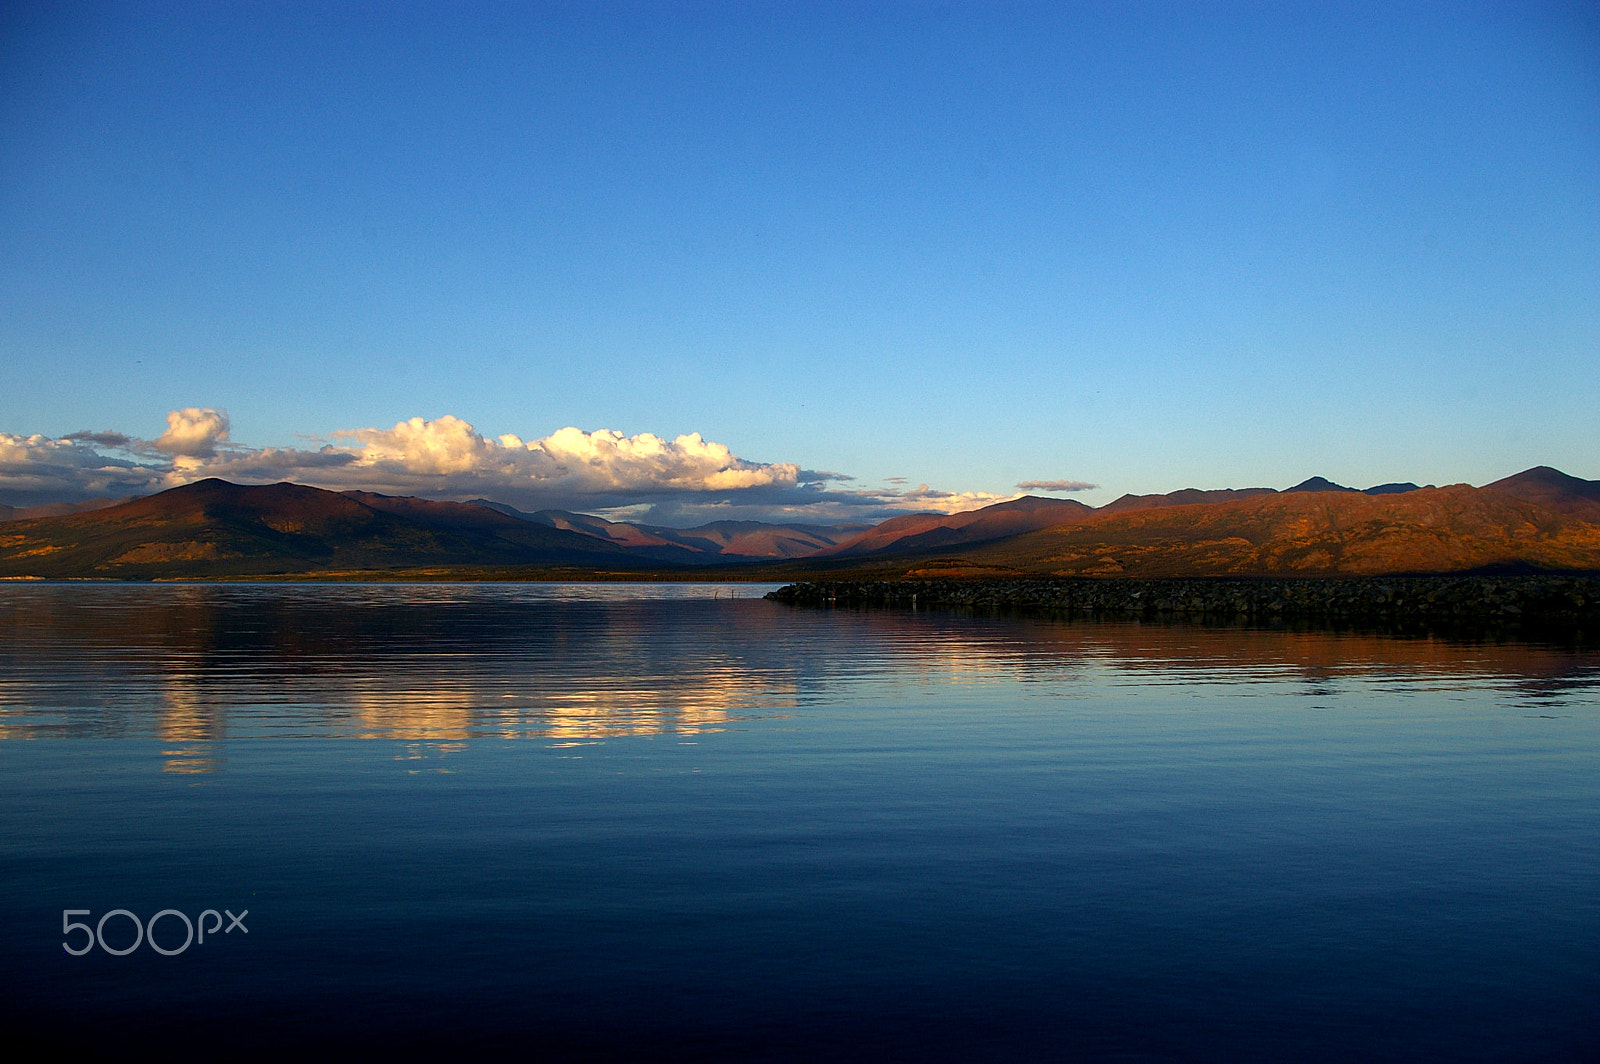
(1553, 489)
(1318, 484)
(1548, 477)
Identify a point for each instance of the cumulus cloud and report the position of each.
(37, 469)
(574, 462)
(193, 432)
(609, 460)
(682, 480)
(1056, 485)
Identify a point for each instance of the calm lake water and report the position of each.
(577, 822)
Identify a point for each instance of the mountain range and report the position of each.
(736, 540)
(1538, 520)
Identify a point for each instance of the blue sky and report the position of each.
(1144, 246)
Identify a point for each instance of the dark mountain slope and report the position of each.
(1324, 484)
(1554, 490)
(54, 509)
(915, 532)
(213, 528)
(1184, 497)
(466, 519)
(1192, 496)
(1317, 484)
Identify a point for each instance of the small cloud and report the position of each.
(922, 497)
(894, 480)
(820, 476)
(193, 432)
(1056, 485)
(100, 439)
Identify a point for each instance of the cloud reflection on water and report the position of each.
(197, 666)
(190, 727)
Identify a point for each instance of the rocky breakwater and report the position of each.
(1561, 601)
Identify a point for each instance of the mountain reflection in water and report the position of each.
(197, 665)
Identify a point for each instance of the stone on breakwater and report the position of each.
(1525, 599)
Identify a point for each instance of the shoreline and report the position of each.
(1544, 601)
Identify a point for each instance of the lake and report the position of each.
(576, 822)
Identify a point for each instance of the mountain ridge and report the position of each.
(212, 528)
(1554, 490)
(1538, 520)
(1435, 530)
(915, 531)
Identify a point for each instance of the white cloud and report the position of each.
(950, 502)
(193, 432)
(448, 454)
(1056, 485)
(684, 480)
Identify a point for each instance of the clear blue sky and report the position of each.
(1147, 246)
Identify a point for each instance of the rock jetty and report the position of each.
(1563, 601)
